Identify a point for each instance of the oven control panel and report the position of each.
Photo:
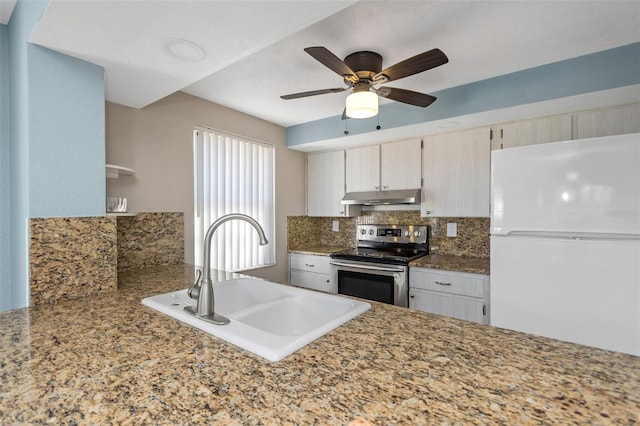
(393, 233)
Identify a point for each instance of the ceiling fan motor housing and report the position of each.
(365, 64)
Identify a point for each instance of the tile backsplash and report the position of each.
(150, 239)
(310, 231)
(472, 238)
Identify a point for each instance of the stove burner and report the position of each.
(395, 256)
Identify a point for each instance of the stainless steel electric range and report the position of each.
(378, 268)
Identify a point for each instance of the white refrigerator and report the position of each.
(565, 241)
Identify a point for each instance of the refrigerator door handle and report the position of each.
(572, 235)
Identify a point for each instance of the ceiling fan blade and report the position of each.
(312, 93)
(406, 96)
(414, 65)
(331, 61)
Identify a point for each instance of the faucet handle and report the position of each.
(194, 290)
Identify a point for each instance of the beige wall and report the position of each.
(156, 142)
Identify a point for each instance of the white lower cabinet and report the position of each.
(310, 271)
(454, 294)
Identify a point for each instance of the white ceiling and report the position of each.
(254, 49)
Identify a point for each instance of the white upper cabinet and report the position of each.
(325, 184)
(529, 132)
(607, 122)
(394, 165)
(401, 164)
(456, 171)
(363, 169)
(453, 168)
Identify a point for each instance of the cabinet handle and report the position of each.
(484, 309)
(310, 266)
(412, 296)
(376, 187)
(385, 186)
(439, 283)
(427, 212)
(341, 213)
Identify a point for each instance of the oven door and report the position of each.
(372, 281)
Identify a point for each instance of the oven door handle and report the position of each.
(367, 267)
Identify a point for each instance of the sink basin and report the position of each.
(268, 319)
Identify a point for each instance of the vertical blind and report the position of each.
(233, 175)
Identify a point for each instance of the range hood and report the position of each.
(377, 198)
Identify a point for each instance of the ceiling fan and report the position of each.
(362, 72)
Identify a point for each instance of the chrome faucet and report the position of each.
(202, 288)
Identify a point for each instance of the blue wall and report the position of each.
(6, 293)
(609, 69)
(66, 135)
(56, 142)
(23, 19)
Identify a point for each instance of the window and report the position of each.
(233, 175)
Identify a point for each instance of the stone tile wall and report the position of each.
(472, 239)
(71, 257)
(473, 232)
(79, 256)
(311, 231)
(150, 239)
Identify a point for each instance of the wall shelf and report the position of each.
(114, 172)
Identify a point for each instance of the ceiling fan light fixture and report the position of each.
(363, 104)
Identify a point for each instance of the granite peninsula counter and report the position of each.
(108, 359)
(473, 265)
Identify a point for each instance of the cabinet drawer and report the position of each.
(463, 308)
(448, 282)
(312, 281)
(310, 263)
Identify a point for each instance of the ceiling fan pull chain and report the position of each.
(346, 127)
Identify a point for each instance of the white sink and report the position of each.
(271, 320)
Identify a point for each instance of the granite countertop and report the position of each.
(317, 250)
(108, 359)
(474, 265)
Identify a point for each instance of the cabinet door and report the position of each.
(456, 171)
(452, 306)
(310, 280)
(607, 122)
(363, 169)
(529, 132)
(401, 164)
(325, 184)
